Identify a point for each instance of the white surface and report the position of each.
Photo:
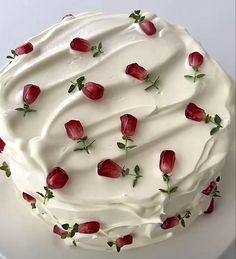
(216, 36)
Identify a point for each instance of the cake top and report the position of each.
(137, 88)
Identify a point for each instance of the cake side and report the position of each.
(39, 142)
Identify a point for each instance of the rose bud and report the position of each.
(30, 94)
(57, 178)
(167, 161)
(74, 129)
(193, 112)
(128, 125)
(195, 60)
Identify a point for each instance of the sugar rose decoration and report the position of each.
(195, 113)
(121, 242)
(24, 49)
(91, 90)
(128, 130)
(212, 190)
(56, 179)
(166, 165)
(67, 231)
(109, 168)
(82, 45)
(141, 74)
(30, 95)
(75, 131)
(175, 220)
(30, 199)
(195, 60)
(146, 25)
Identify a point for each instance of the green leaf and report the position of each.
(100, 46)
(208, 118)
(217, 119)
(166, 178)
(149, 87)
(74, 243)
(9, 57)
(120, 145)
(173, 189)
(20, 109)
(137, 169)
(31, 110)
(188, 76)
(127, 171)
(201, 75)
(131, 147)
(76, 227)
(65, 226)
(72, 233)
(95, 54)
(117, 248)
(137, 11)
(141, 19)
(80, 80)
(218, 179)
(135, 182)
(182, 222)
(162, 190)
(39, 193)
(110, 243)
(33, 206)
(8, 173)
(72, 88)
(91, 143)
(214, 130)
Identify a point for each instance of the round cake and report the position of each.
(115, 128)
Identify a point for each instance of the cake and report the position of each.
(115, 128)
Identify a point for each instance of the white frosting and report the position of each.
(38, 143)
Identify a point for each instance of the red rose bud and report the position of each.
(93, 91)
(24, 49)
(60, 232)
(74, 129)
(211, 207)
(89, 227)
(57, 178)
(210, 189)
(195, 59)
(81, 45)
(136, 71)
(148, 27)
(109, 168)
(2, 145)
(123, 241)
(128, 125)
(30, 94)
(170, 223)
(29, 198)
(167, 161)
(195, 113)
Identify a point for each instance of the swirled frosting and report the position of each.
(38, 142)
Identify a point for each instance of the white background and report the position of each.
(212, 22)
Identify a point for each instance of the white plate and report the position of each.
(26, 237)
